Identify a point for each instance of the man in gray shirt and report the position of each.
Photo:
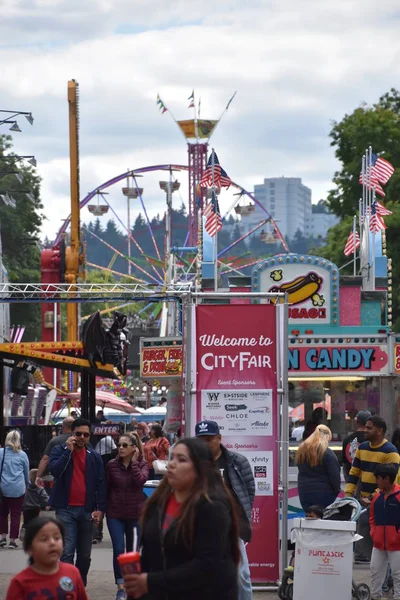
(55, 441)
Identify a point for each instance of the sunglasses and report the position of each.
(82, 434)
(124, 445)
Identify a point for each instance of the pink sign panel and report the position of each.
(237, 387)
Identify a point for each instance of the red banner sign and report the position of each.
(237, 387)
(161, 361)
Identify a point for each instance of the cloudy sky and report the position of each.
(296, 65)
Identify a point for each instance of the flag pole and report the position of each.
(354, 242)
(170, 112)
(222, 114)
(196, 128)
(215, 238)
(373, 246)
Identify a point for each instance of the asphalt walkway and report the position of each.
(101, 584)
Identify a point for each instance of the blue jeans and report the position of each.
(245, 592)
(121, 532)
(78, 526)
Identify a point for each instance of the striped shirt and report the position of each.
(366, 460)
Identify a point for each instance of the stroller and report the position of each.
(345, 509)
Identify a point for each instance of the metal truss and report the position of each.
(89, 292)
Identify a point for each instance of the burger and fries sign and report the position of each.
(160, 358)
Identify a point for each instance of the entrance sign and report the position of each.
(236, 354)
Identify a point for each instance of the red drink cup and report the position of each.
(129, 563)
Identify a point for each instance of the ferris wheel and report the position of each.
(152, 267)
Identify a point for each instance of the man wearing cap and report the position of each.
(237, 474)
(352, 441)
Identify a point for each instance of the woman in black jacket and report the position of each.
(319, 470)
(189, 533)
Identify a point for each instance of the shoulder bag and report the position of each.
(160, 466)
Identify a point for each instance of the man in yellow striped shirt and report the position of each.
(374, 451)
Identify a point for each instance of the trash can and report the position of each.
(323, 559)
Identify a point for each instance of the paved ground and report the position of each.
(101, 581)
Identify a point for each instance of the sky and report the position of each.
(297, 66)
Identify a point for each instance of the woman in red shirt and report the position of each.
(46, 577)
(157, 447)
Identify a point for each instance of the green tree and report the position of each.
(377, 126)
(20, 228)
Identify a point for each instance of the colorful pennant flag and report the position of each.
(191, 105)
(161, 105)
(376, 223)
(353, 242)
(220, 179)
(191, 97)
(212, 214)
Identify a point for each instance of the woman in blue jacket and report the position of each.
(14, 469)
(319, 470)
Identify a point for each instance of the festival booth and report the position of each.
(340, 355)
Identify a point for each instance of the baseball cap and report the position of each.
(206, 428)
(362, 417)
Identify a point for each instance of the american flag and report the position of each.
(382, 168)
(381, 210)
(221, 179)
(350, 246)
(225, 179)
(370, 180)
(213, 216)
(376, 223)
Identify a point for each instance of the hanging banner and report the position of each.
(236, 348)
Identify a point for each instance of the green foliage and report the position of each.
(20, 228)
(377, 126)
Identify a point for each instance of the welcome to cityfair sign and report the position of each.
(236, 365)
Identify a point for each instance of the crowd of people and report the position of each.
(197, 521)
(371, 471)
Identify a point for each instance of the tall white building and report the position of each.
(319, 224)
(287, 200)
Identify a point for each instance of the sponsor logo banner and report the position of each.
(237, 387)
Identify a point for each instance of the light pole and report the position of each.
(10, 120)
(130, 192)
(169, 187)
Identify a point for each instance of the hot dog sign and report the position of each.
(310, 282)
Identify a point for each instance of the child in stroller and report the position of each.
(344, 509)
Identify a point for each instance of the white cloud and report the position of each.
(296, 66)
